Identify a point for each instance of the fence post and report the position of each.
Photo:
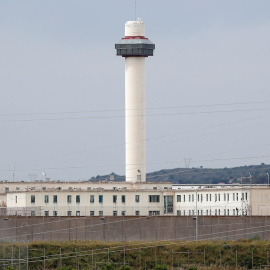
(155, 255)
(19, 256)
(4, 257)
(44, 266)
(12, 255)
(27, 254)
(92, 259)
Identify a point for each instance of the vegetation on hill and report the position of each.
(255, 174)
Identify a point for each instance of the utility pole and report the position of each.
(196, 216)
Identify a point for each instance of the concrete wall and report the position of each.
(133, 228)
(260, 201)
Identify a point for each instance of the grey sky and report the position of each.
(62, 86)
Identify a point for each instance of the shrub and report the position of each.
(109, 266)
(161, 267)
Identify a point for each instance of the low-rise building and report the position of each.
(123, 198)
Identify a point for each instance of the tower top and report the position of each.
(134, 29)
(135, 43)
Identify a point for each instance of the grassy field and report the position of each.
(243, 254)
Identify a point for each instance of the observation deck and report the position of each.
(135, 47)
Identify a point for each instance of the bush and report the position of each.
(125, 267)
(109, 266)
(161, 267)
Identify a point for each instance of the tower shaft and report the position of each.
(135, 118)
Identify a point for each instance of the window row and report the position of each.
(216, 212)
(92, 213)
(152, 198)
(210, 197)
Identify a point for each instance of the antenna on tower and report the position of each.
(135, 9)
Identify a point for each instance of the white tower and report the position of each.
(135, 47)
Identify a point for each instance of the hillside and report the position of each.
(203, 175)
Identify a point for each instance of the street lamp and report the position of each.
(250, 176)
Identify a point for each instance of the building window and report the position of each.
(207, 197)
(219, 197)
(100, 213)
(189, 212)
(92, 213)
(33, 213)
(178, 198)
(210, 197)
(233, 196)
(78, 213)
(55, 199)
(193, 197)
(207, 212)
(201, 212)
(6, 189)
(100, 198)
(92, 198)
(215, 212)
(215, 197)
(154, 198)
(178, 212)
(198, 197)
(137, 198)
(189, 198)
(123, 198)
(78, 198)
(237, 196)
(201, 197)
(219, 212)
(154, 213)
(55, 213)
(228, 196)
(114, 199)
(46, 213)
(137, 213)
(123, 213)
(69, 198)
(33, 199)
(46, 198)
(246, 196)
(228, 212)
(16, 199)
(184, 212)
(242, 198)
(17, 188)
(234, 212)
(193, 212)
(69, 213)
(114, 213)
(224, 212)
(184, 198)
(224, 196)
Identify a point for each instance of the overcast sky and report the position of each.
(62, 86)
